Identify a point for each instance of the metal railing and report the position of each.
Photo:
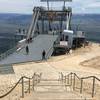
(67, 9)
(74, 80)
(31, 82)
(51, 49)
(49, 52)
(7, 53)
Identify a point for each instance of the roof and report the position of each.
(68, 31)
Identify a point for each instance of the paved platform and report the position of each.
(40, 43)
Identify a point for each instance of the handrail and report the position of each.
(47, 54)
(97, 79)
(50, 49)
(12, 88)
(81, 79)
(37, 77)
(27, 77)
(77, 76)
(68, 74)
(21, 79)
(87, 77)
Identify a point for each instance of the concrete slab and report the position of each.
(40, 43)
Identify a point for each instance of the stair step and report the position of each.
(50, 80)
(56, 96)
(49, 89)
(51, 85)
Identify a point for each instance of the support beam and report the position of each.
(31, 26)
(64, 5)
(43, 25)
(61, 24)
(68, 20)
(36, 20)
(48, 4)
(38, 28)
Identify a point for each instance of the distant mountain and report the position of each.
(22, 19)
(15, 18)
(9, 23)
(86, 19)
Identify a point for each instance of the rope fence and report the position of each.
(24, 85)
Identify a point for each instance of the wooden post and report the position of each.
(61, 77)
(33, 82)
(71, 79)
(65, 80)
(93, 88)
(68, 80)
(42, 25)
(74, 82)
(81, 88)
(29, 85)
(22, 87)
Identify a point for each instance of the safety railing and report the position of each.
(51, 49)
(7, 53)
(67, 9)
(24, 85)
(49, 52)
(87, 85)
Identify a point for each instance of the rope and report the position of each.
(20, 80)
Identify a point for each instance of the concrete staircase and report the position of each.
(37, 88)
(53, 90)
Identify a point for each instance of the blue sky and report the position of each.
(26, 6)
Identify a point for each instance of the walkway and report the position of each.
(40, 43)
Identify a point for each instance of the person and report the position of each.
(68, 50)
(30, 39)
(43, 55)
(27, 50)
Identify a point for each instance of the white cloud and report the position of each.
(94, 5)
(16, 6)
(26, 6)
